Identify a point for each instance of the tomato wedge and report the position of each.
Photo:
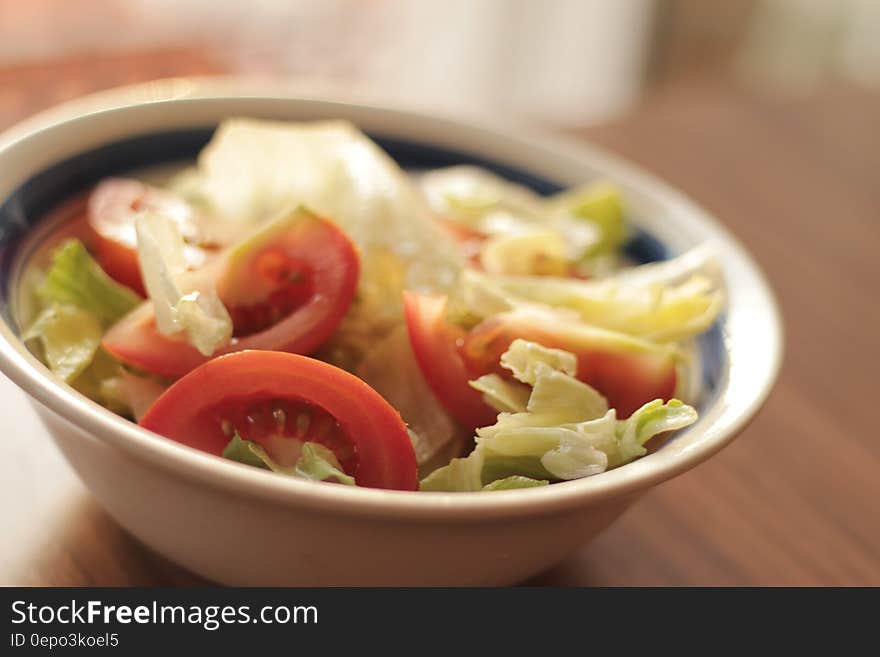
(112, 208)
(282, 400)
(436, 345)
(286, 289)
(627, 371)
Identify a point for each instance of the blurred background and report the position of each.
(767, 112)
(565, 62)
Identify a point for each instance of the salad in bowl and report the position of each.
(297, 302)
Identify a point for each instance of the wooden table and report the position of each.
(794, 501)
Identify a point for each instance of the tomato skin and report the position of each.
(436, 344)
(384, 452)
(335, 268)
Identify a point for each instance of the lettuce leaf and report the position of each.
(501, 394)
(528, 360)
(100, 382)
(75, 279)
(68, 336)
(601, 204)
(527, 235)
(515, 481)
(466, 193)
(179, 304)
(539, 251)
(315, 462)
(460, 474)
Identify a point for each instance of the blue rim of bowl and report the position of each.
(91, 419)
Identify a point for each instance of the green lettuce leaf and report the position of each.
(318, 463)
(68, 337)
(247, 452)
(461, 474)
(515, 481)
(650, 420)
(315, 462)
(75, 279)
(100, 382)
(601, 204)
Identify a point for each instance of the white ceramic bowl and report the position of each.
(238, 525)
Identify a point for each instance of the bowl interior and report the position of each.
(34, 200)
(62, 157)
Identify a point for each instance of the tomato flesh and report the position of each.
(112, 208)
(288, 294)
(282, 400)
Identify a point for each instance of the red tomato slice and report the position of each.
(285, 292)
(436, 345)
(112, 208)
(282, 400)
(628, 374)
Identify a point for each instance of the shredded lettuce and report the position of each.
(68, 336)
(75, 279)
(315, 461)
(566, 430)
(179, 304)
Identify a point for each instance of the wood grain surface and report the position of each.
(793, 501)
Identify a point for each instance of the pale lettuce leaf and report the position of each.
(528, 360)
(253, 170)
(181, 307)
(502, 394)
(538, 251)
